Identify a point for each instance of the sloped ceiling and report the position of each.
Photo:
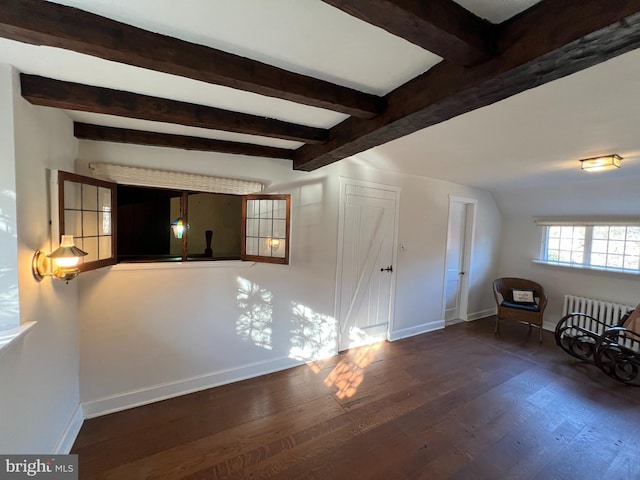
(532, 139)
(468, 111)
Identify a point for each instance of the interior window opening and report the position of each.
(211, 223)
(123, 223)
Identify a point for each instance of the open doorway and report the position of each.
(458, 258)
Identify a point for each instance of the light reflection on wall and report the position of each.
(358, 337)
(254, 323)
(9, 306)
(9, 302)
(7, 221)
(313, 335)
(347, 376)
(106, 220)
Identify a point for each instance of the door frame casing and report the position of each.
(471, 206)
(344, 183)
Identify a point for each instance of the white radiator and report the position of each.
(607, 312)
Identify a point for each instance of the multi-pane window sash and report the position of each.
(87, 209)
(613, 247)
(265, 228)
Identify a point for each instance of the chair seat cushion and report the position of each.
(530, 307)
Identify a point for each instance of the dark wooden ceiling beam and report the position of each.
(440, 26)
(549, 41)
(138, 137)
(41, 22)
(74, 96)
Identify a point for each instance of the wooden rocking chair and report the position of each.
(614, 348)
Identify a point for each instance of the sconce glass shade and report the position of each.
(273, 243)
(597, 164)
(63, 261)
(178, 227)
(67, 254)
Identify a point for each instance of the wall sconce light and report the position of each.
(62, 263)
(597, 164)
(178, 227)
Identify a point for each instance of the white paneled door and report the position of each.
(366, 268)
(458, 258)
(455, 256)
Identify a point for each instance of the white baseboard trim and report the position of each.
(455, 321)
(65, 443)
(416, 330)
(481, 314)
(156, 393)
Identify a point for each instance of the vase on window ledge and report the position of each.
(208, 235)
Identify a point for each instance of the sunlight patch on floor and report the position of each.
(347, 376)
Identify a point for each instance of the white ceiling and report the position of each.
(533, 138)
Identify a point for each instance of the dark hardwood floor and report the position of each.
(458, 403)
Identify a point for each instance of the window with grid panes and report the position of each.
(613, 247)
(265, 228)
(89, 211)
(86, 212)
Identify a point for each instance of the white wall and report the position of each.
(424, 213)
(155, 332)
(9, 304)
(521, 239)
(39, 397)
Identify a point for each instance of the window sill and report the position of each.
(7, 337)
(574, 266)
(181, 265)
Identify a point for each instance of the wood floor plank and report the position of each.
(242, 401)
(442, 467)
(457, 403)
(433, 443)
(304, 453)
(544, 441)
(279, 453)
(534, 439)
(597, 445)
(363, 457)
(627, 462)
(235, 447)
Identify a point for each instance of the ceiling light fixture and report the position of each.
(597, 164)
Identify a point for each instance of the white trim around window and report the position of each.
(612, 247)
